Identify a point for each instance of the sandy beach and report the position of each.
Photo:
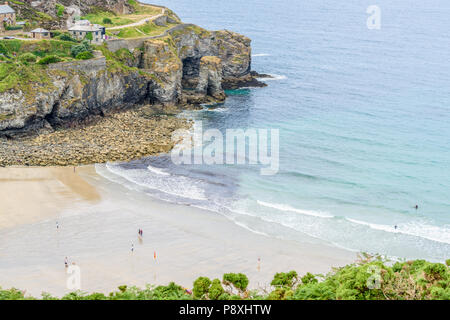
(97, 227)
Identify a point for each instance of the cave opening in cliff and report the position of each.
(191, 71)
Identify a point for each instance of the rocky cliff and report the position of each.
(187, 65)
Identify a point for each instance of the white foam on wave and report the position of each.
(261, 55)
(178, 186)
(158, 171)
(416, 229)
(217, 109)
(285, 207)
(275, 77)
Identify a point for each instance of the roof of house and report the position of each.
(86, 28)
(40, 30)
(4, 8)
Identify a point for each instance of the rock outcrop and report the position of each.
(186, 65)
(210, 78)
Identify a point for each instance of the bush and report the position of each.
(66, 37)
(77, 49)
(201, 287)
(411, 280)
(3, 49)
(85, 55)
(216, 290)
(60, 10)
(27, 57)
(238, 280)
(309, 278)
(49, 59)
(13, 27)
(284, 279)
(107, 21)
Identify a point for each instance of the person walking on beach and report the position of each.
(66, 262)
(132, 247)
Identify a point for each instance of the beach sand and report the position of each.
(98, 222)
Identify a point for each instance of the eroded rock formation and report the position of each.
(187, 65)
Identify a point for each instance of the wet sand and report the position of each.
(98, 222)
(31, 194)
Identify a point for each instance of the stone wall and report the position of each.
(87, 66)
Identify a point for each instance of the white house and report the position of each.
(7, 15)
(81, 29)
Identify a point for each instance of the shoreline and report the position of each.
(97, 234)
(120, 136)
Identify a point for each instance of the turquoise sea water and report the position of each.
(364, 125)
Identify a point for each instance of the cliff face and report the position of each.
(188, 65)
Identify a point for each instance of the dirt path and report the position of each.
(139, 23)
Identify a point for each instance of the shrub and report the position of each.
(89, 36)
(216, 290)
(280, 294)
(60, 10)
(284, 279)
(107, 21)
(49, 59)
(27, 57)
(85, 55)
(238, 280)
(201, 287)
(66, 37)
(3, 49)
(77, 49)
(309, 278)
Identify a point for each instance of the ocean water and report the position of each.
(364, 126)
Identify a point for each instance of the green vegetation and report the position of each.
(27, 57)
(13, 27)
(86, 55)
(107, 18)
(49, 59)
(65, 37)
(112, 19)
(143, 9)
(80, 48)
(144, 30)
(25, 63)
(368, 279)
(60, 10)
(89, 37)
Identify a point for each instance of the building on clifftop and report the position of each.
(7, 15)
(83, 27)
(40, 33)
